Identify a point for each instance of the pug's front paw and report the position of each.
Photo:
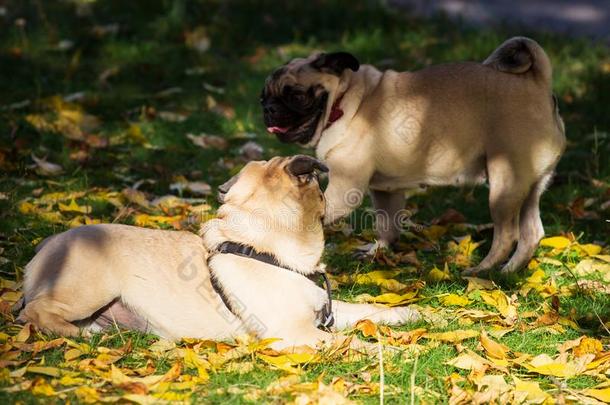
(402, 315)
(369, 251)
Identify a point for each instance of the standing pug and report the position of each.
(452, 124)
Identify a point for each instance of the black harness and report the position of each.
(239, 249)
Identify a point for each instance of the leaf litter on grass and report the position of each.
(486, 370)
(483, 313)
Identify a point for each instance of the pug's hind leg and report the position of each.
(347, 314)
(530, 227)
(508, 189)
(388, 205)
(47, 316)
(52, 315)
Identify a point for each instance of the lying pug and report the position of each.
(247, 273)
(453, 124)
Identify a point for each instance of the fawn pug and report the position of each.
(247, 272)
(452, 124)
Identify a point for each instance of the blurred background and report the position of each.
(583, 18)
(160, 98)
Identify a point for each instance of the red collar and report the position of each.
(335, 112)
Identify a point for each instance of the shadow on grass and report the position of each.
(122, 54)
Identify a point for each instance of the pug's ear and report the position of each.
(224, 188)
(336, 62)
(302, 164)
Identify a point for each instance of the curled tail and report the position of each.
(520, 55)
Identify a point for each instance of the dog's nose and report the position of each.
(269, 109)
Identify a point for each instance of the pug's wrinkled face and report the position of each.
(295, 99)
(280, 186)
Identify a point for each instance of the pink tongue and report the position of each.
(277, 130)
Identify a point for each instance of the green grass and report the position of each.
(247, 40)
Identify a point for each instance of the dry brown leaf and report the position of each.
(469, 360)
(475, 283)
(206, 141)
(45, 168)
(367, 327)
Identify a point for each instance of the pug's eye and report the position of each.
(299, 97)
(305, 179)
(308, 178)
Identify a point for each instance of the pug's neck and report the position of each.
(297, 245)
(351, 91)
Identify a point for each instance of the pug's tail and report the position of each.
(521, 55)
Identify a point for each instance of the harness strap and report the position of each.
(328, 319)
(242, 250)
(223, 297)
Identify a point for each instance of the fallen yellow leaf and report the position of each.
(462, 252)
(381, 278)
(599, 394)
(162, 346)
(545, 365)
(193, 360)
(117, 377)
(87, 395)
(556, 242)
(74, 207)
(536, 282)
(24, 334)
(453, 336)
(491, 389)
(153, 221)
(478, 315)
(286, 362)
(604, 258)
(436, 275)
(493, 349)
(590, 249)
(50, 371)
(26, 208)
(12, 296)
(82, 220)
(537, 277)
(588, 266)
(529, 391)
(43, 388)
(469, 360)
(136, 197)
(587, 346)
(390, 299)
(502, 303)
(70, 380)
(455, 300)
(551, 261)
(434, 232)
(136, 134)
